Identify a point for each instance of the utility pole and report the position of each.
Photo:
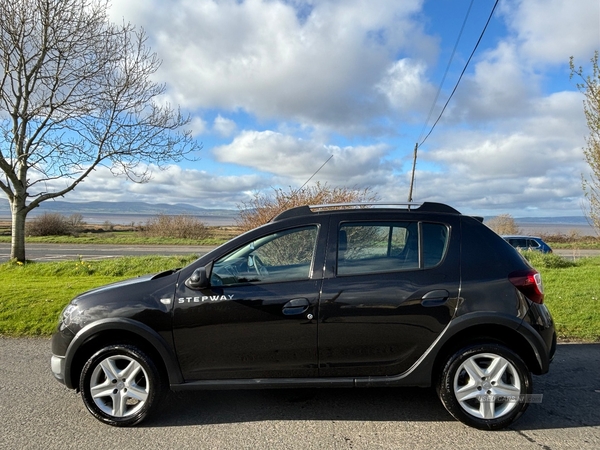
(412, 177)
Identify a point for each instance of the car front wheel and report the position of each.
(120, 385)
(485, 386)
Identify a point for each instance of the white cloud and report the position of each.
(508, 78)
(295, 159)
(173, 184)
(500, 87)
(223, 126)
(273, 59)
(525, 165)
(405, 87)
(198, 126)
(549, 31)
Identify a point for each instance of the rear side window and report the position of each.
(384, 247)
(518, 242)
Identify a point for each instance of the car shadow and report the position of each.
(372, 404)
(570, 398)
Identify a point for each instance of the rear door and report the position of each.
(390, 288)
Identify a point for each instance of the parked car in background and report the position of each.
(528, 243)
(324, 296)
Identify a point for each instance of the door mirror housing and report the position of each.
(198, 280)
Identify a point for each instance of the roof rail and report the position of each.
(364, 204)
(310, 209)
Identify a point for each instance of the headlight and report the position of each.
(70, 315)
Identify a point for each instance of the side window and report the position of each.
(520, 243)
(282, 256)
(532, 243)
(383, 247)
(377, 247)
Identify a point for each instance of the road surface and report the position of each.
(39, 413)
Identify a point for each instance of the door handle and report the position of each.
(435, 298)
(296, 306)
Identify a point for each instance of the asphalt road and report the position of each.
(39, 413)
(88, 252)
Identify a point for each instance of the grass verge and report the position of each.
(572, 293)
(34, 294)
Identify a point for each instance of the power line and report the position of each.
(417, 145)
(437, 95)
(463, 72)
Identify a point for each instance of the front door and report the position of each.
(258, 317)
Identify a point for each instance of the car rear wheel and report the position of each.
(120, 385)
(485, 386)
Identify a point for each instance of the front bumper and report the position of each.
(57, 364)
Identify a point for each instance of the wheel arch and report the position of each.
(517, 338)
(105, 332)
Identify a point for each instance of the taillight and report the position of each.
(529, 282)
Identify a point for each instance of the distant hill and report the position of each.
(133, 209)
(120, 208)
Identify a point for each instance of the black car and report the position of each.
(335, 296)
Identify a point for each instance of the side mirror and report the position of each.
(198, 280)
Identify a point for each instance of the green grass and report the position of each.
(572, 293)
(32, 295)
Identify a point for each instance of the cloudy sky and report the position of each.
(276, 87)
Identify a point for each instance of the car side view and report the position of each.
(327, 296)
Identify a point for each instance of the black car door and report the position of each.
(258, 316)
(390, 288)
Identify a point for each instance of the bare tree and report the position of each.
(262, 208)
(590, 87)
(503, 224)
(75, 93)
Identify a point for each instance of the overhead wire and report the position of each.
(462, 73)
(437, 95)
(417, 145)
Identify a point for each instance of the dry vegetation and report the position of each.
(504, 224)
(182, 227)
(262, 208)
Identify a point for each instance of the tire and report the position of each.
(485, 386)
(120, 385)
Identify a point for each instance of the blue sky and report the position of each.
(275, 87)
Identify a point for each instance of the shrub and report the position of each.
(503, 224)
(263, 207)
(183, 227)
(76, 222)
(49, 224)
